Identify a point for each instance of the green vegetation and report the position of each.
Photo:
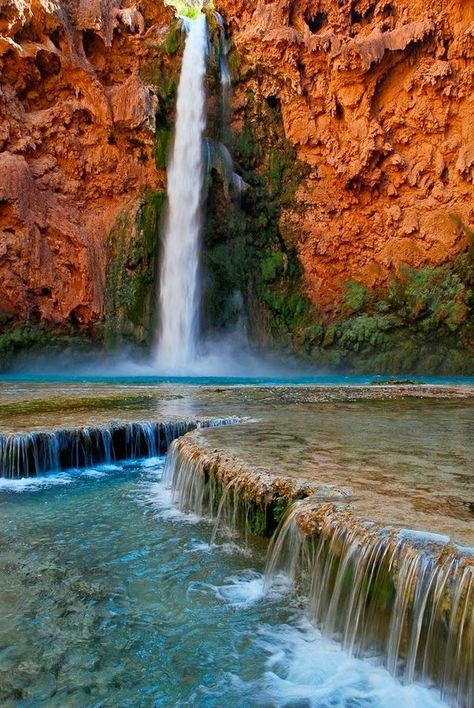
(41, 337)
(132, 263)
(163, 75)
(355, 296)
(272, 267)
(174, 40)
(162, 146)
(421, 323)
(189, 8)
(14, 337)
(245, 251)
(257, 520)
(280, 507)
(58, 405)
(133, 244)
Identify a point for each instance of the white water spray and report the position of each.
(226, 80)
(179, 291)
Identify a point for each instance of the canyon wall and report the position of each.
(77, 132)
(352, 127)
(377, 98)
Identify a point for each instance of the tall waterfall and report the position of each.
(179, 288)
(226, 81)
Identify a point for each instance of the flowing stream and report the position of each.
(404, 595)
(179, 287)
(110, 596)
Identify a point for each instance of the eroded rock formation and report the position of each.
(374, 98)
(76, 133)
(377, 97)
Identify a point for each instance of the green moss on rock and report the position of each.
(272, 267)
(40, 338)
(245, 251)
(133, 248)
(257, 520)
(421, 323)
(355, 296)
(280, 508)
(174, 40)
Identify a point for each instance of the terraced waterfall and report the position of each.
(405, 596)
(36, 453)
(388, 604)
(144, 560)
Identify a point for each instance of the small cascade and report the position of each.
(237, 500)
(403, 595)
(218, 158)
(179, 287)
(36, 453)
(406, 596)
(218, 154)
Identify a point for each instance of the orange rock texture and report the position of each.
(76, 142)
(376, 96)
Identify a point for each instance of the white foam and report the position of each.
(242, 591)
(160, 500)
(199, 547)
(154, 463)
(93, 474)
(248, 588)
(231, 549)
(110, 468)
(304, 666)
(34, 484)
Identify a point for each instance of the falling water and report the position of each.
(226, 81)
(179, 291)
(403, 595)
(36, 453)
(232, 179)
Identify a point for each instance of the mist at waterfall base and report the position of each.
(228, 357)
(178, 349)
(226, 360)
(179, 281)
(179, 353)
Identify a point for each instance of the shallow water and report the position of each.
(276, 380)
(402, 462)
(111, 597)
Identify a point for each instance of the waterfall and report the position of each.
(35, 453)
(226, 81)
(179, 289)
(403, 595)
(235, 500)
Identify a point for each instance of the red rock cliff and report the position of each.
(76, 142)
(375, 95)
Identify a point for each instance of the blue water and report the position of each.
(109, 596)
(321, 380)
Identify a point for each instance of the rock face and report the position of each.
(76, 135)
(375, 97)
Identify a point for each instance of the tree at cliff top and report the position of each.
(189, 8)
